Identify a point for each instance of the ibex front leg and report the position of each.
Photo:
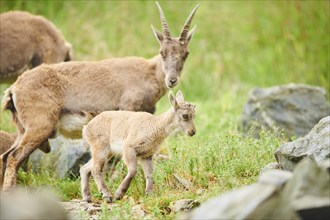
(97, 172)
(129, 157)
(146, 164)
(85, 173)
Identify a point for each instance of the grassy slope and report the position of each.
(237, 46)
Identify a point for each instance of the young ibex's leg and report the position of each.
(146, 164)
(98, 162)
(30, 141)
(3, 159)
(85, 174)
(129, 157)
(110, 167)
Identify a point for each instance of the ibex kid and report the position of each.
(133, 136)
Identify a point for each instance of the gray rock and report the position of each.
(184, 205)
(325, 164)
(315, 144)
(27, 204)
(240, 203)
(276, 178)
(78, 209)
(308, 191)
(293, 108)
(65, 158)
(277, 195)
(270, 166)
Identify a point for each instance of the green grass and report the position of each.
(238, 45)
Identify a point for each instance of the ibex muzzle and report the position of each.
(174, 51)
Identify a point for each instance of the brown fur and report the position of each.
(6, 140)
(39, 96)
(26, 41)
(132, 135)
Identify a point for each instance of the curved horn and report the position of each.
(166, 31)
(186, 26)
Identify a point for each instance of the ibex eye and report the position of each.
(185, 117)
(162, 53)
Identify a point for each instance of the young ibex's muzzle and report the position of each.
(192, 132)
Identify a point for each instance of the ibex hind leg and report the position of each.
(97, 172)
(129, 157)
(30, 141)
(85, 174)
(3, 159)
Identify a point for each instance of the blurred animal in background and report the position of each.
(40, 97)
(26, 41)
(8, 139)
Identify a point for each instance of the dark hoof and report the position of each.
(118, 196)
(107, 199)
(151, 193)
(88, 200)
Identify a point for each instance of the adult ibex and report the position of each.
(26, 41)
(61, 96)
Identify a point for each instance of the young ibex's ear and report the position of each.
(191, 33)
(159, 36)
(179, 96)
(173, 101)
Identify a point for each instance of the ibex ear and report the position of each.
(173, 101)
(191, 33)
(159, 36)
(179, 96)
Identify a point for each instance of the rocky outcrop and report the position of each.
(315, 144)
(303, 194)
(65, 158)
(293, 108)
(270, 166)
(78, 209)
(183, 205)
(30, 204)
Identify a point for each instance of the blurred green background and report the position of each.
(254, 43)
(238, 45)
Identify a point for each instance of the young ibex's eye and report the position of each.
(186, 54)
(162, 53)
(185, 117)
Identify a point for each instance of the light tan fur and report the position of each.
(41, 96)
(26, 41)
(132, 135)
